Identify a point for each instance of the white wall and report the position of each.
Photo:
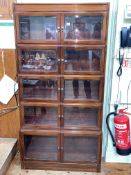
(111, 155)
(7, 38)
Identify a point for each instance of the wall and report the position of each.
(9, 123)
(122, 97)
(7, 38)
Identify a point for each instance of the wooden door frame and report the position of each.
(38, 13)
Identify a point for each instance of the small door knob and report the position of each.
(62, 29)
(58, 29)
(58, 61)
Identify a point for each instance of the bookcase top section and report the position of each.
(20, 7)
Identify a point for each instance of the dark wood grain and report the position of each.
(62, 7)
(70, 139)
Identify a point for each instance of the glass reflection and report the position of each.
(80, 117)
(83, 148)
(80, 60)
(40, 147)
(38, 27)
(83, 27)
(40, 89)
(81, 89)
(38, 60)
(40, 115)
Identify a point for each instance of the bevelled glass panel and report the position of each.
(83, 27)
(38, 27)
(43, 60)
(81, 89)
(82, 60)
(40, 89)
(41, 147)
(80, 117)
(80, 149)
(40, 115)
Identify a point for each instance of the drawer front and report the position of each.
(82, 88)
(40, 147)
(43, 115)
(81, 148)
(81, 116)
(39, 88)
(38, 59)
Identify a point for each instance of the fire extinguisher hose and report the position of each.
(108, 127)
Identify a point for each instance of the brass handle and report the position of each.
(62, 29)
(58, 29)
(63, 60)
(60, 89)
(58, 61)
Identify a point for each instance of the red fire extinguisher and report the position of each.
(122, 132)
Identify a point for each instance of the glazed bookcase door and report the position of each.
(41, 115)
(81, 116)
(83, 60)
(80, 148)
(39, 88)
(38, 59)
(89, 27)
(37, 27)
(82, 88)
(43, 147)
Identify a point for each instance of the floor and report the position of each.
(107, 169)
(7, 152)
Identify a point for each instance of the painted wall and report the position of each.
(7, 38)
(122, 97)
